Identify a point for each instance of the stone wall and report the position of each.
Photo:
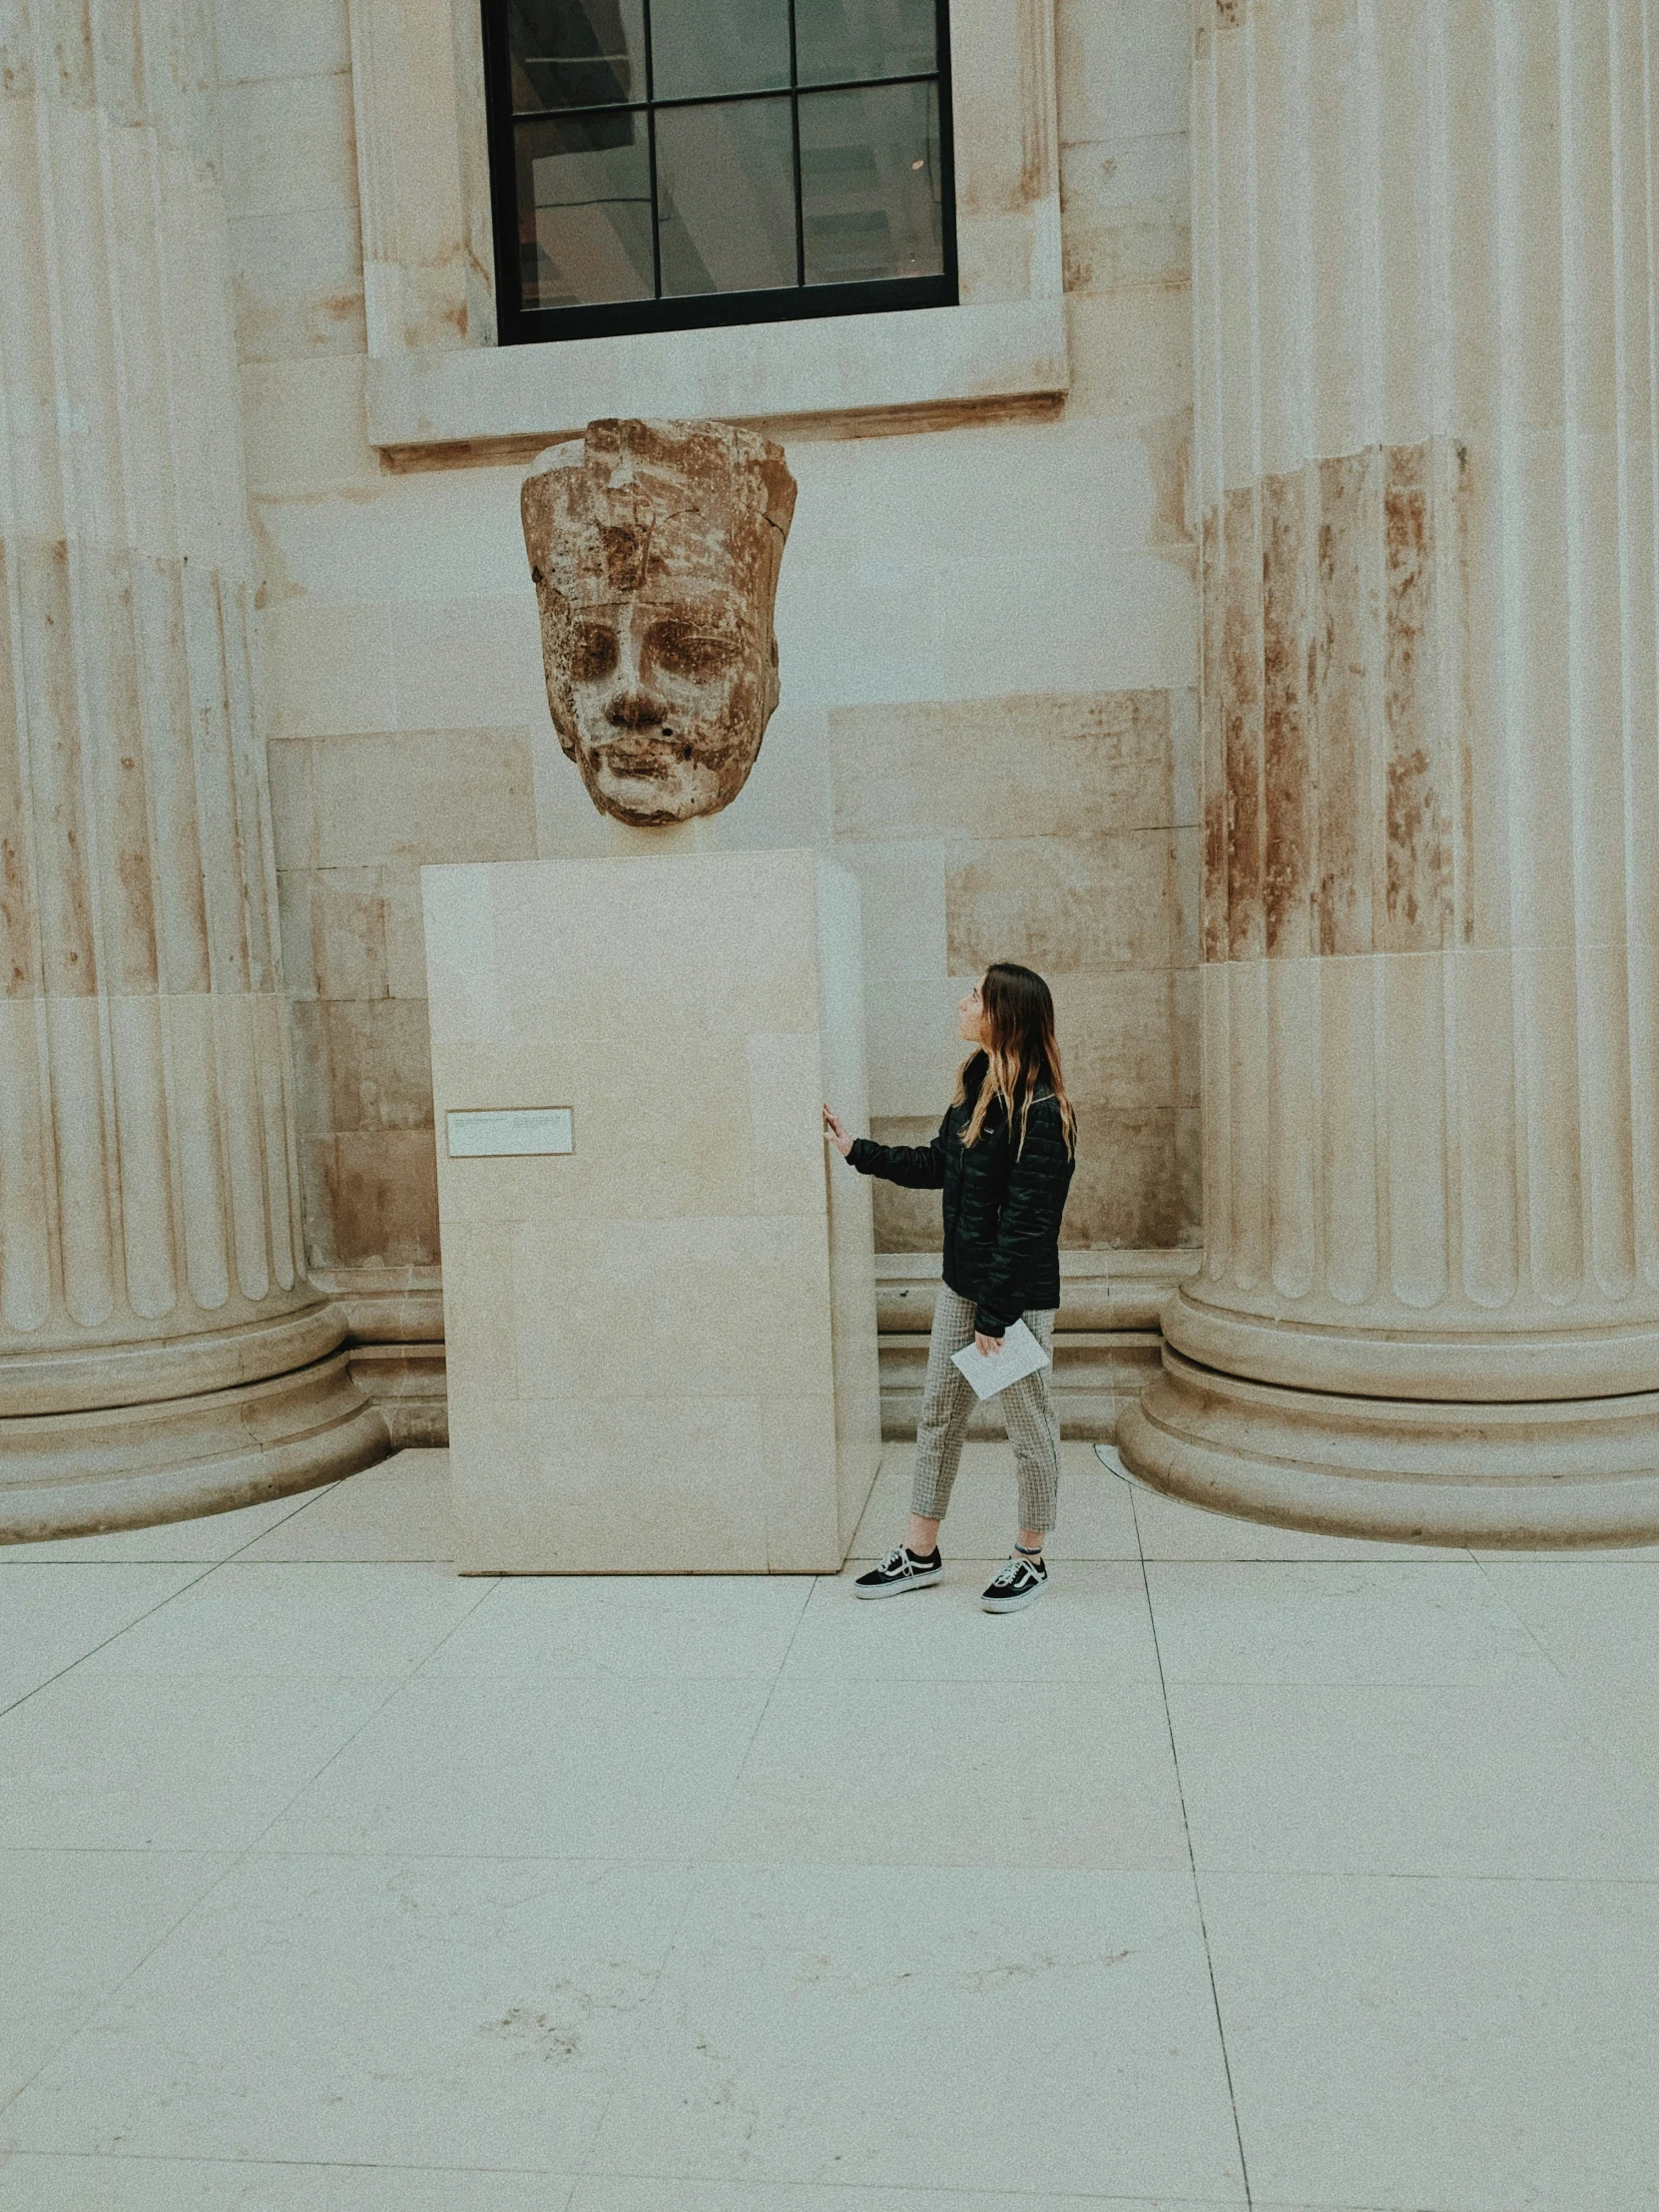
(987, 637)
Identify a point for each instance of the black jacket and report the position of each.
(1001, 1215)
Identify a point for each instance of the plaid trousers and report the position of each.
(946, 1401)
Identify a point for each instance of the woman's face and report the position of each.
(970, 1017)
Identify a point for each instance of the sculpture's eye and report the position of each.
(592, 653)
(684, 649)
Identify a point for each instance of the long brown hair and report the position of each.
(1022, 1058)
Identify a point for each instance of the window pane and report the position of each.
(725, 197)
(584, 211)
(841, 39)
(869, 184)
(701, 46)
(576, 53)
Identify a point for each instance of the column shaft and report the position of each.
(1425, 310)
(160, 1348)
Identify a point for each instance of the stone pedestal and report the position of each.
(161, 1352)
(1424, 272)
(662, 1344)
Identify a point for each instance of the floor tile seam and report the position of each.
(320, 2165)
(407, 1857)
(491, 1585)
(1524, 1624)
(1559, 1697)
(1577, 1690)
(1197, 1889)
(336, 1560)
(1147, 1867)
(105, 1642)
(303, 1500)
(80, 1567)
(1360, 1685)
(1460, 1878)
(393, 1689)
(236, 1856)
(696, 1868)
(95, 2005)
(291, 1678)
(833, 1678)
(872, 2189)
(974, 2190)
(559, 1678)
(1438, 1563)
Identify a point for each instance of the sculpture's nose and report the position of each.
(635, 707)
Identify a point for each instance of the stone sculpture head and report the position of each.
(655, 549)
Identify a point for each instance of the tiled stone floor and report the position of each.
(1246, 1869)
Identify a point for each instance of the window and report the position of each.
(663, 163)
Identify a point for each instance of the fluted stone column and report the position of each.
(160, 1348)
(1424, 265)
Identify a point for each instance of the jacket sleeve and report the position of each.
(1030, 1226)
(920, 1167)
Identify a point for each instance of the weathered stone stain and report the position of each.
(17, 967)
(1467, 900)
(1287, 785)
(123, 734)
(56, 771)
(1212, 934)
(1331, 779)
(1241, 722)
(182, 878)
(1419, 873)
(1344, 626)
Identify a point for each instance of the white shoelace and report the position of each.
(1010, 1573)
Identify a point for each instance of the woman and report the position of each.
(1003, 1158)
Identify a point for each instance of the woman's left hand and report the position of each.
(987, 1345)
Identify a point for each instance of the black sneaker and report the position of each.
(1021, 1582)
(900, 1572)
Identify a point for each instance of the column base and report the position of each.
(131, 1466)
(1560, 1472)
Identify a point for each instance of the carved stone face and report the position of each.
(655, 549)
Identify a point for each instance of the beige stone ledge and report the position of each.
(874, 366)
(1107, 1352)
(133, 1466)
(1100, 1290)
(1098, 1374)
(408, 1385)
(394, 1305)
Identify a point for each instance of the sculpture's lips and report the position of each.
(649, 761)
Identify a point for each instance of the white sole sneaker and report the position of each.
(900, 1586)
(1014, 1604)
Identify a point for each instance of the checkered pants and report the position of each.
(946, 1401)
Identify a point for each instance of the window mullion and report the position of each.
(650, 154)
(794, 150)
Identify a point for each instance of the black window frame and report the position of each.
(520, 325)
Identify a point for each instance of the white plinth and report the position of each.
(660, 1344)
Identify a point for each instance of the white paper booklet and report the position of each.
(991, 1372)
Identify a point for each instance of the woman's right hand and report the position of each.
(837, 1134)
